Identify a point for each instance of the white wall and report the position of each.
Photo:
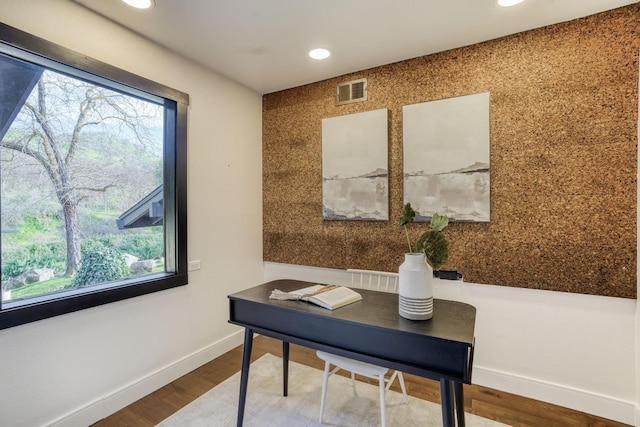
(572, 350)
(77, 368)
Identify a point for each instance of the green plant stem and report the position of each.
(408, 240)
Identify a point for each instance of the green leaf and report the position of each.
(408, 214)
(439, 222)
(435, 248)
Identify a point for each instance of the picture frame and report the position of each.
(446, 158)
(355, 177)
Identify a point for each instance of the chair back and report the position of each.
(375, 280)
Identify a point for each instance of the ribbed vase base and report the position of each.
(416, 309)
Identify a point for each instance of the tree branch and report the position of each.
(48, 167)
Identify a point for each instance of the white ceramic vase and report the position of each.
(416, 287)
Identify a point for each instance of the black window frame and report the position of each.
(24, 46)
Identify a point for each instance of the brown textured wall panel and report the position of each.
(564, 112)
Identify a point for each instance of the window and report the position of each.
(92, 182)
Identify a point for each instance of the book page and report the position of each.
(329, 297)
(337, 296)
(307, 291)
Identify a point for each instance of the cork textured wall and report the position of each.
(563, 124)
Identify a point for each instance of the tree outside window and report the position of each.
(85, 169)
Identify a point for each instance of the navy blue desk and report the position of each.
(370, 330)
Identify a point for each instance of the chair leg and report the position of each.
(353, 384)
(390, 381)
(382, 402)
(324, 389)
(404, 389)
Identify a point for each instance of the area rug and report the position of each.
(266, 407)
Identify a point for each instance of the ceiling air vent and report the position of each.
(353, 91)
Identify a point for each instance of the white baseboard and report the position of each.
(580, 400)
(118, 399)
(557, 394)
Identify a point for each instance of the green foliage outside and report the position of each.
(99, 266)
(36, 244)
(53, 285)
(23, 255)
(143, 246)
(41, 288)
(28, 256)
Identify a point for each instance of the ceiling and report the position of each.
(263, 44)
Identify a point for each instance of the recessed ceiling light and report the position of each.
(139, 4)
(319, 53)
(507, 3)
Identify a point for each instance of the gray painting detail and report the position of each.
(446, 158)
(355, 178)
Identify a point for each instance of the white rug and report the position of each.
(267, 407)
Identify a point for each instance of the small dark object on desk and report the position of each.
(447, 274)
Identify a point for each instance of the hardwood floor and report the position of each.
(496, 405)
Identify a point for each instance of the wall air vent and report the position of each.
(353, 91)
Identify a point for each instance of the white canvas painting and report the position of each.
(446, 158)
(355, 177)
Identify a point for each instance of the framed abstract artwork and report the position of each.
(355, 176)
(446, 158)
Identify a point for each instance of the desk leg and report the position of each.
(285, 368)
(447, 401)
(244, 375)
(459, 397)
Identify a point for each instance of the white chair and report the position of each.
(379, 281)
(375, 280)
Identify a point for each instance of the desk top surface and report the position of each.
(452, 320)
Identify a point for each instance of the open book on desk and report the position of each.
(328, 296)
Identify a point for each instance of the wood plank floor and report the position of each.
(507, 408)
